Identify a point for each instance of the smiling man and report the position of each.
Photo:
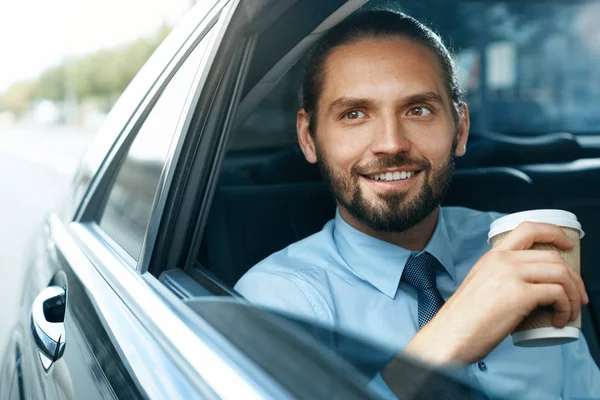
(383, 116)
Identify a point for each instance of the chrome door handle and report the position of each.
(47, 323)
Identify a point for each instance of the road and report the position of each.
(36, 166)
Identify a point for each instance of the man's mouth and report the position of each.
(391, 176)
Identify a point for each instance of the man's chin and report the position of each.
(395, 211)
(393, 220)
(388, 200)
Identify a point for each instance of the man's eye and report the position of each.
(419, 112)
(355, 114)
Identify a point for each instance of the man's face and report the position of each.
(385, 136)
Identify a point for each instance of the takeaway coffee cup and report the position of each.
(537, 329)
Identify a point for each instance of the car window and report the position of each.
(127, 211)
(335, 364)
(269, 197)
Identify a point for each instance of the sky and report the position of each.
(35, 34)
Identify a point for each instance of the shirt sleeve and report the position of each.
(582, 377)
(279, 292)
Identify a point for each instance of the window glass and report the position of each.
(333, 363)
(528, 68)
(129, 204)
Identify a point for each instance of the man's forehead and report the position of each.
(360, 67)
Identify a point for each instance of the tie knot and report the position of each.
(419, 271)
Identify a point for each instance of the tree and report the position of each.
(101, 75)
(19, 96)
(53, 83)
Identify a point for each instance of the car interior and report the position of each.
(268, 196)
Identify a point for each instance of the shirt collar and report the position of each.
(381, 263)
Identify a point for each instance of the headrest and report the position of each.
(499, 189)
(495, 149)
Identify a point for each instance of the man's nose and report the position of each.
(390, 137)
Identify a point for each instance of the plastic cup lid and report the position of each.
(556, 217)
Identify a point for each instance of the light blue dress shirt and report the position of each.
(349, 280)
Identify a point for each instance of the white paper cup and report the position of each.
(537, 329)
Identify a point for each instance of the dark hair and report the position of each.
(375, 23)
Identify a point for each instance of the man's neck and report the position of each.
(413, 239)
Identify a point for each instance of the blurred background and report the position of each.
(63, 64)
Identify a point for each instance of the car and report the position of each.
(196, 175)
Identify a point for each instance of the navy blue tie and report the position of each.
(420, 273)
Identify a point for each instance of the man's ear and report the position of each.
(463, 132)
(306, 140)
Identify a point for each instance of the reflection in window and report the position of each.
(129, 205)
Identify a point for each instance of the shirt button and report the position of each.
(481, 365)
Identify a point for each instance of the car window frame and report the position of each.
(95, 202)
(176, 120)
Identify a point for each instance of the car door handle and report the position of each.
(47, 323)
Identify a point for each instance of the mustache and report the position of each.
(388, 162)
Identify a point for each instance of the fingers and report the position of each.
(547, 273)
(528, 233)
(554, 295)
(551, 257)
(581, 286)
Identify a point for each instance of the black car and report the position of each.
(196, 176)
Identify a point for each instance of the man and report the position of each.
(383, 116)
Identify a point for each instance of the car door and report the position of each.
(87, 329)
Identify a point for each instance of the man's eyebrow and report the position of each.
(345, 102)
(423, 98)
(348, 102)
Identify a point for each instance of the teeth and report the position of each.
(392, 176)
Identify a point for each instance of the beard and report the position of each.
(393, 212)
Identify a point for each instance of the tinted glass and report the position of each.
(334, 364)
(129, 204)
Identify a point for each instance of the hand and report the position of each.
(503, 287)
